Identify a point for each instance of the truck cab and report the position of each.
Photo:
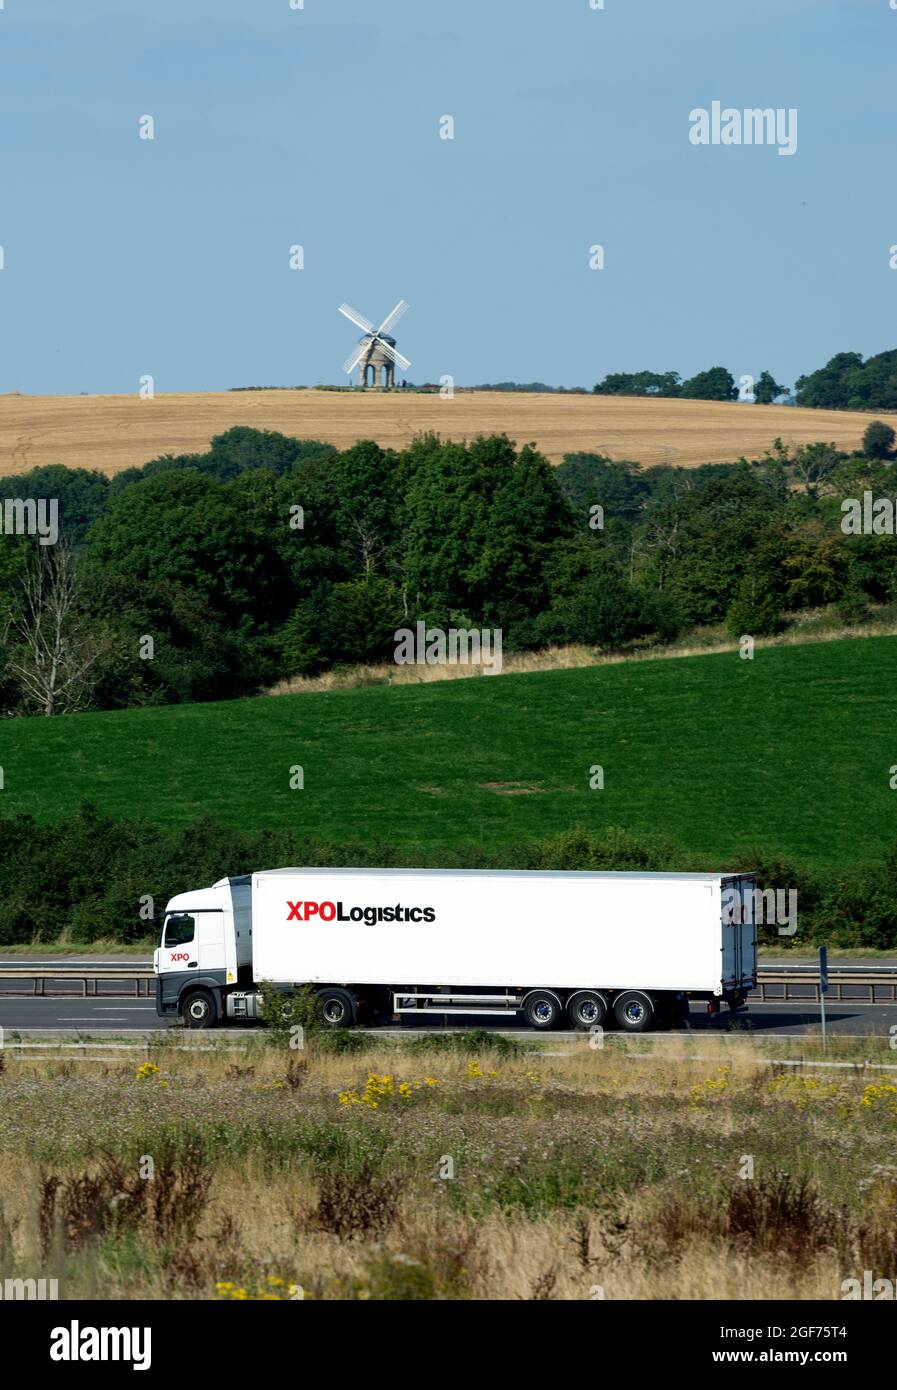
(205, 951)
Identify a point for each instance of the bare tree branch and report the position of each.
(52, 650)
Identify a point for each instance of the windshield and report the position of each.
(179, 928)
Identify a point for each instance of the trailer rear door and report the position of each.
(739, 932)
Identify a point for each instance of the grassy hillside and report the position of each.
(115, 432)
(791, 751)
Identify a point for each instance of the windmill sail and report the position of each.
(377, 350)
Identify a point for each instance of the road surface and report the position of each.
(76, 1015)
(72, 1013)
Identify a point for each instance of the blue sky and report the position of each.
(320, 127)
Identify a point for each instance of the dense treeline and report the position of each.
(213, 575)
(844, 383)
(716, 384)
(849, 383)
(94, 877)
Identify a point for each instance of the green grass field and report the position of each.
(791, 752)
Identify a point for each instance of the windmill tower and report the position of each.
(376, 352)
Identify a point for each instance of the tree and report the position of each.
(806, 553)
(363, 618)
(878, 381)
(878, 440)
(638, 384)
(717, 384)
(217, 540)
(241, 449)
(828, 388)
(619, 487)
(767, 389)
(367, 508)
(79, 493)
(201, 567)
(349, 623)
(606, 612)
(755, 610)
(480, 519)
(52, 650)
(590, 601)
(814, 464)
(697, 545)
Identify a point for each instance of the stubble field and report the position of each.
(111, 433)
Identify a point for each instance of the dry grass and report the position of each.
(578, 1173)
(812, 625)
(110, 433)
(388, 673)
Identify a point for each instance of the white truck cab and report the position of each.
(206, 950)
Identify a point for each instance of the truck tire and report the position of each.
(542, 1010)
(587, 1009)
(633, 1011)
(198, 1009)
(337, 1008)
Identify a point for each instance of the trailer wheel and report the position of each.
(587, 1009)
(634, 1011)
(542, 1009)
(198, 1010)
(337, 1007)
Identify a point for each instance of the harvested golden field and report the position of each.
(115, 432)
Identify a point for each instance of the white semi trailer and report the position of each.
(596, 949)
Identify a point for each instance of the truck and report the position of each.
(587, 950)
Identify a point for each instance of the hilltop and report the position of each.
(111, 433)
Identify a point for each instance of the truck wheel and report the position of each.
(198, 1010)
(634, 1012)
(337, 1007)
(542, 1009)
(587, 1009)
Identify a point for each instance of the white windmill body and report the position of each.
(376, 354)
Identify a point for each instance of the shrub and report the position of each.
(91, 870)
(284, 1012)
(606, 611)
(470, 1042)
(756, 610)
(343, 1041)
(852, 607)
(780, 1215)
(112, 1198)
(878, 440)
(441, 1267)
(355, 1205)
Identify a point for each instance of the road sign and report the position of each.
(823, 970)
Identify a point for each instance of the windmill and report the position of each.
(376, 351)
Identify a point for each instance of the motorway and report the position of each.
(71, 1014)
(74, 1015)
